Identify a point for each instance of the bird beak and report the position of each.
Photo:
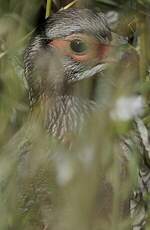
(118, 39)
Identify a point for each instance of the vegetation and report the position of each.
(74, 179)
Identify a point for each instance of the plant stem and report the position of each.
(48, 8)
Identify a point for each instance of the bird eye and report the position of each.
(78, 46)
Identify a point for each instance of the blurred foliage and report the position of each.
(75, 203)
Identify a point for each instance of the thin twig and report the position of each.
(69, 5)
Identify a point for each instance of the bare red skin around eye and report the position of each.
(103, 51)
(98, 51)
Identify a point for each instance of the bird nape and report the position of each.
(47, 184)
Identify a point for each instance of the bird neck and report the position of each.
(62, 114)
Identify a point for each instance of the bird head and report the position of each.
(80, 38)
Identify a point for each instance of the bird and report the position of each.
(82, 38)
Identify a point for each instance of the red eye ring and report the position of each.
(81, 48)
